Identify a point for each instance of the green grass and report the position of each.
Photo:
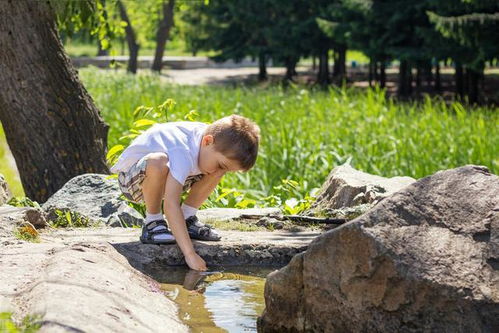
(85, 49)
(29, 324)
(6, 170)
(306, 133)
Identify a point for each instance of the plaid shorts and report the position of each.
(130, 182)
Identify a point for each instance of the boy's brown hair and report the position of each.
(237, 138)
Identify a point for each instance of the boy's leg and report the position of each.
(201, 190)
(153, 186)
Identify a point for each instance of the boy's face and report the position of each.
(213, 162)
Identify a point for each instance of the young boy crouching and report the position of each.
(173, 157)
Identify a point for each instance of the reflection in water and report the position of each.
(224, 300)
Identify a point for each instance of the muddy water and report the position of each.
(221, 300)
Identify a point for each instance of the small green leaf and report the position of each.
(113, 151)
(143, 122)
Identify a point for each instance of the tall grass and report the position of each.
(307, 132)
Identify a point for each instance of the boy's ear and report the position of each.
(208, 140)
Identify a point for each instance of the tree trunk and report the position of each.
(52, 126)
(375, 71)
(370, 76)
(163, 34)
(438, 84)
(459, 80)
(405, 79)
(473, 79)
(314, 63)
(341, 52)
(262, 67)
(323, 74)
(290, 63)
(382, 73)
(131, 40)
(418, 76)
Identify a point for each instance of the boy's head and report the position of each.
(229, 144)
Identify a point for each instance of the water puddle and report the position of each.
(221, 300)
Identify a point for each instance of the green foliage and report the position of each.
(8, 170)
(307, 132)
(27, 232)
(140, 207)
(66, 218)
(97, 17)
(22, 202)
(29, 324)
(143, 118)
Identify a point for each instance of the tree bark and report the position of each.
(382, 73)
(438, 84)
(370, 75)
(341, 56)
(405, 79)
(262, 67)
(323, 74)
(473, 79)
(375, 71)
(163, 34)
(459, 79)
(52, 126)
(290, 63)
(131, 40)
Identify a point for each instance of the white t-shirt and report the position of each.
(179, 140)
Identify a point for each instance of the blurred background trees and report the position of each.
(417, 37)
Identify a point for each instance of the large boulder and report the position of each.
(96, 197)
(5, 193)
(424, 259)
(348, 187)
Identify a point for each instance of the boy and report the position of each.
(170, 158)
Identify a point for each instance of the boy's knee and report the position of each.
(157, 162)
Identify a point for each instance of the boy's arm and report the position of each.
(173, 192)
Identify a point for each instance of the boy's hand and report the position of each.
(195, 262)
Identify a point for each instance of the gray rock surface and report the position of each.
(96, 197)
(5, 193)
(425, 259)
(82, 287)
(348, 187)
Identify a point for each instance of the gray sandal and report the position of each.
(150, 236)
(201, 231)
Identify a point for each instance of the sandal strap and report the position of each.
(154, 224)
(191, 220)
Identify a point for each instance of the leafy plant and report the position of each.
(23, 202)
(66, 218)
(144, 117)
(29, 324)
(27, 232)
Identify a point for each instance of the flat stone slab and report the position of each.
(235, 248)
(82, 287)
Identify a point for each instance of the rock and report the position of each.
(347, 187)
(424, 259)
(16, 216)
(5, 193)
(270, 223)
(82, 287)
(95, 197)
